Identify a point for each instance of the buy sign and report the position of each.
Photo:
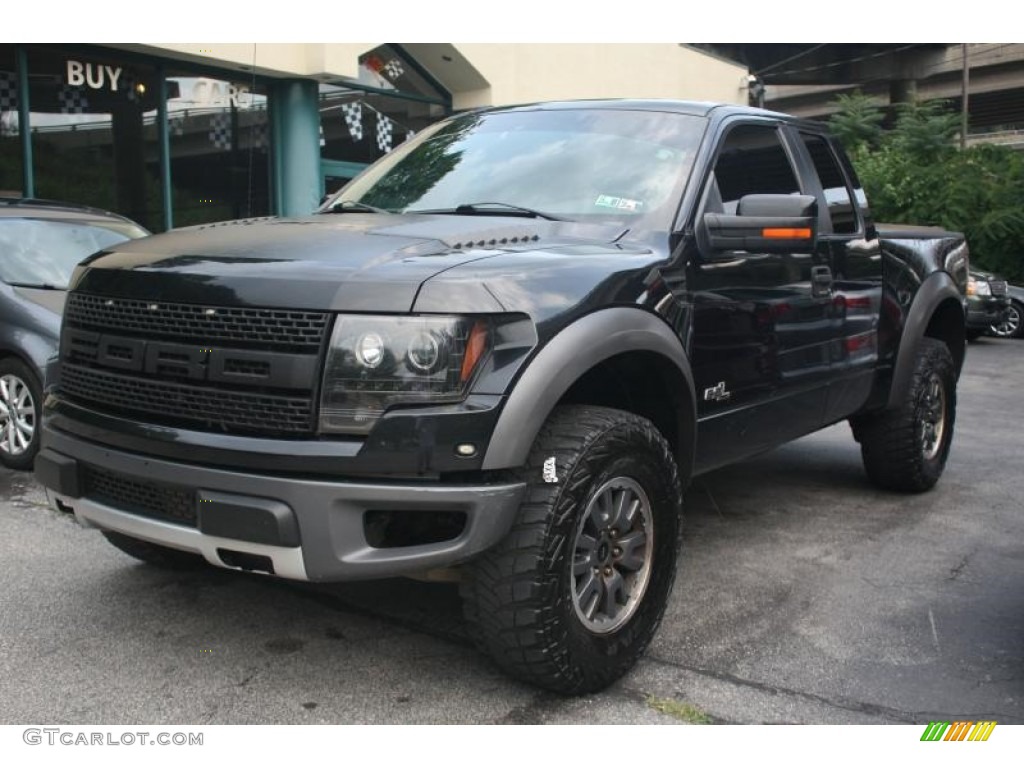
(96, 76)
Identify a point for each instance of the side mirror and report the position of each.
(765, 224)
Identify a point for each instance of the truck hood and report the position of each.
(344, 262)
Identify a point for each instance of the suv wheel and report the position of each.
(1010, 327)
(905, 448)
(573, 595)
(20, 404)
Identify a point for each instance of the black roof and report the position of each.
(696, 108)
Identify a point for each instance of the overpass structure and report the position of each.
(805, 78)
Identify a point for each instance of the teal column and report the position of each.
(164, 138)
(295, 121)
(28, 180)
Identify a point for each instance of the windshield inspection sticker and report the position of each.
(619, 203)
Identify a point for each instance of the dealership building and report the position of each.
(180, 134)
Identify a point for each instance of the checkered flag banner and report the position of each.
(220, 131)
(72, 100)
(354, 119)
(409, 134)
(383, 133)
(394, 69)
(258, 136)
(323, 139)
(8, 92)
(176, 126)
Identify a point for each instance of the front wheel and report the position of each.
(905, 448)
(1010, 327)
(573, 595)
(20, 403)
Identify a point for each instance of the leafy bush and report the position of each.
(913, 173)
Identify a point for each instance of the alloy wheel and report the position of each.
(932, 416)
(611, 563)
(17, 415)
(1009, 325)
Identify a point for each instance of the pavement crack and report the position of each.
(955, 571)
(890, 713)
(707, 492)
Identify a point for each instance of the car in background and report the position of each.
(1012, 324)
(41, 243)
(987, 302)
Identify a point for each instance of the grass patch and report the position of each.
(680, 710)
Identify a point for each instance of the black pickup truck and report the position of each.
(499, 356)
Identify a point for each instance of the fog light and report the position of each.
(465, 450)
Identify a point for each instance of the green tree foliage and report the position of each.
(914, 173)
(858, 123)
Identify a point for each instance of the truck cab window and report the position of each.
(837, 194)
(753, 161)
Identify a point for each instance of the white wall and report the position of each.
(493, 74)
(520, 73)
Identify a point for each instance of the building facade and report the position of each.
(179, 134)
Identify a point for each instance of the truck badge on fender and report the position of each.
(718, 393)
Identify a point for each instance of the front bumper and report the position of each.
(984, 313)
(293, 527)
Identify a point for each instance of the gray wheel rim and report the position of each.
(1010, 323)
(933, 416)
(611, 557)
(17, 415)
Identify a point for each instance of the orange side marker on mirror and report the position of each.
(786, 233)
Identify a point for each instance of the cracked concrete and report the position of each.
(803, 596)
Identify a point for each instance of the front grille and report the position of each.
(207, 408)
(235, 370)
(269, 329)
(155, 500)
(998, 287)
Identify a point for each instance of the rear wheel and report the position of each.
(905, 448)
(154, 554)
(573, 595)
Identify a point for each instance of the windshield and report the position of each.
(615, 166)
(44, 252)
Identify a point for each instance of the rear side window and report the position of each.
(753, 162)
(837, 194)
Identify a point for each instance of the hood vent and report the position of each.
(495, 242)
(233, 222)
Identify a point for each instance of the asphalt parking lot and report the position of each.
(804, 596)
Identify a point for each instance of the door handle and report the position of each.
(821, 281)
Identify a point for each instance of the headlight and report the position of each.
(978, 288)
(375, 362)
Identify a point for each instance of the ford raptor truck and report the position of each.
(500, 355)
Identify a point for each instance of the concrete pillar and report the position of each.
(296, 132)
(903, 91)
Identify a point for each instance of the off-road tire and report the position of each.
(519, 597)
(154, 554)
(891, 441)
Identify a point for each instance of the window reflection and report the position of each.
(220, 143)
